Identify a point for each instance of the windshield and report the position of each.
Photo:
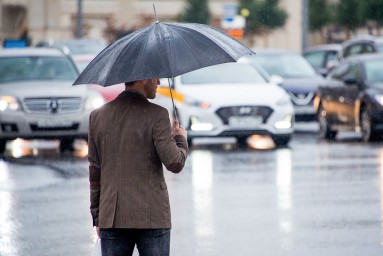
(36, 68)
(373, 70)
(227, 73)
(316, 59)
(89, 48)
(85, 49)
(284, 65)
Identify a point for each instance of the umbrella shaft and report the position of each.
(171, 96)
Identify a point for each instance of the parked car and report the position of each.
(351, 99)
(322, 57)
(295, 75)
(361, 45)
(229, 100)
(82, 50)
(37, 99)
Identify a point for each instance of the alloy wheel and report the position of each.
(324, 127)
(366, 126)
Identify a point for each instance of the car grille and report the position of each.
(35, 128)
(301, 99)
(52, 105)
(227, 112)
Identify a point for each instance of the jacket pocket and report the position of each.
(108, 211)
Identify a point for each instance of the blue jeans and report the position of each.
(121, 241)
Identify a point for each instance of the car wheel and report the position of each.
(281, 140)
(325, 131)
(367, 127)
(3, 144)
(66, 144)
(242, 142)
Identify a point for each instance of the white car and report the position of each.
(37, 99)
(230, 100)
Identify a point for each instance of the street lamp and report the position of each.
(305, 24)
(79, 19)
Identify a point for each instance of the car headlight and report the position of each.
(9, 103)
(379, 98)
(286, 123)
(198, 125)
(284, 100)
(94, 101)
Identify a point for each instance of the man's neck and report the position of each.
(136, 88)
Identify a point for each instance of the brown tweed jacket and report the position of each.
(129, 140)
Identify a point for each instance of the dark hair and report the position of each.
(129, 83)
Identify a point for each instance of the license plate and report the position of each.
(245, 121)
(304, 110)
(46, 123)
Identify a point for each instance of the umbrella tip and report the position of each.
(155, 13)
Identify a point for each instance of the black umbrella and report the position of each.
(162, 50)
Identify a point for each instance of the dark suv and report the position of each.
(351, 99)
(361, 45)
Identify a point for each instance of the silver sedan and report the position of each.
(37, 99)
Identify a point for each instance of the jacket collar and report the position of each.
(131, 93)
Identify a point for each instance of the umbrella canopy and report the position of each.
(162, 50)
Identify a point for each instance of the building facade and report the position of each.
(56, 19)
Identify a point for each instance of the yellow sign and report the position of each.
(245, 12)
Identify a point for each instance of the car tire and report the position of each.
(325, 131)
(242, 142)
(281, 140)
(3, 144)
(367, 127)
(66, 145)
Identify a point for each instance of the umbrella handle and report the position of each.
(171, 96)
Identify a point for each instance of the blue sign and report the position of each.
(15, 43)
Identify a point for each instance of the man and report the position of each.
(129, 140)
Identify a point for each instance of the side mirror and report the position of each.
(276, 79)
(350, 81)
(322, 72)
(331, 65)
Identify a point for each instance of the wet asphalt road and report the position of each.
(313, 198)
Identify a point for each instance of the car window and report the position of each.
(227, 73)
(358, 49)
(331, 56)
(347, 71)
(36, 68)
(373, 71)
(285, 65)
(355, 49)
(353, 72)
(316, 59)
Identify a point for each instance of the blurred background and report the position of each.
(285, 146)
(289, 24)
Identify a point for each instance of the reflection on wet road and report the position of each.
(313, 198)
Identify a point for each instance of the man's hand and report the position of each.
(178, 130)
